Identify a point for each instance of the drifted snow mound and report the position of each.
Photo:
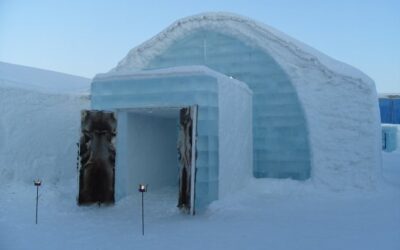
(339, 101)
(39, 123)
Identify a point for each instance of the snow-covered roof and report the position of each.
(172, 71)
(279, 45)
(17, 76)
(389, 95)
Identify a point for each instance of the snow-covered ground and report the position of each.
(266, 214)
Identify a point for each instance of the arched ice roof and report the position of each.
(339, 101)
(277, 44)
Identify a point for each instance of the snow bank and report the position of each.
(39, 124)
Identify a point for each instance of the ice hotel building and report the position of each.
(216, 99)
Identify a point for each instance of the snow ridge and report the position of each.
(45, 81)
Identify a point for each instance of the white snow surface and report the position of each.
(39, 80)
(173, 71)
(389, 95)
(339, 102)
(264, 214)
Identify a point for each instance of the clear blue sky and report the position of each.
(89, 37)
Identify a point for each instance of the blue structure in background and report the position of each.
(390, 109)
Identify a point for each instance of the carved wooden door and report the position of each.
(97, 157)
(187, 158)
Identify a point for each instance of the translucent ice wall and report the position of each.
(122, 93)
(281, 148)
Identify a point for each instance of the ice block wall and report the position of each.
(281, 148)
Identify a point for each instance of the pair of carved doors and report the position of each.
(97, 153)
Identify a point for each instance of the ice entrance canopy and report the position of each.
(223, 156)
